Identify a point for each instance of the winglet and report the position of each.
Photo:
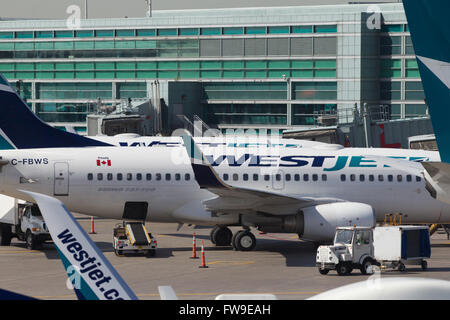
(205, 175)
(92, 275)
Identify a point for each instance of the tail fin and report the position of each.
(91, 274)
(22, 129)
(430, 33)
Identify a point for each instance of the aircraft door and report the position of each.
(278, 180)
(61, 184)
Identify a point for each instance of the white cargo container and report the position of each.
(401, 243)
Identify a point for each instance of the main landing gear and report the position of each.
(243, 240)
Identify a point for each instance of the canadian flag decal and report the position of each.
(103, 162)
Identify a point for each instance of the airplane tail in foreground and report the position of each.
(20, 128)
(430, 33)
(92, 276)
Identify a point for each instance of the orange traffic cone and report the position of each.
(92, 226)
(203, 259)
(194, 249)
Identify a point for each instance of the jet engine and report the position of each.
(316, 223)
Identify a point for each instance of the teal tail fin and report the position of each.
(430, 32)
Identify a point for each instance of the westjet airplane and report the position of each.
(293, 188)
(290, 186)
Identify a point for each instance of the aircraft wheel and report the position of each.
(244, 240)
(212, 236)
(222, 237)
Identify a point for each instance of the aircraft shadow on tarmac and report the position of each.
(297, 253)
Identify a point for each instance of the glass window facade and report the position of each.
(255, 72)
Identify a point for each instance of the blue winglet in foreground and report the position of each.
(430, 33)
(92, 275)
(22, 129)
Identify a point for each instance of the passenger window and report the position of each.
(148, 176)
(99, 176)
(352, 177)
(119, 177)
(408, 178)
(287, 177)
(255, 177)
(390, 177)
(380, 178)
(109, 176)
(305, 177)
(177, 176)
(324, 177)
(90, 176)
(245, 177)
(278, 177)
(362, 178)
(266, 177)
(158, 176)
(129, 176)
(315, 177)
(342, 177)
(187, 177)
(296, 177)
(139, 176)
(225, 176)
(418, 179)
(235, 177)
(371, 178)
(399, 178)
(168, 177)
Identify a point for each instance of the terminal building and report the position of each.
(243, 68)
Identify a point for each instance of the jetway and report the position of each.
(381, 134)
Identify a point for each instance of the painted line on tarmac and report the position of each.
(230, 262)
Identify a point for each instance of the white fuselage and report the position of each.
(99, 180)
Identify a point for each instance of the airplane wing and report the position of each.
(231, 198)
(437, 176)
(92, 275)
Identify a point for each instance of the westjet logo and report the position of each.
(328, 163)
(210, 144)
(89, 266)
